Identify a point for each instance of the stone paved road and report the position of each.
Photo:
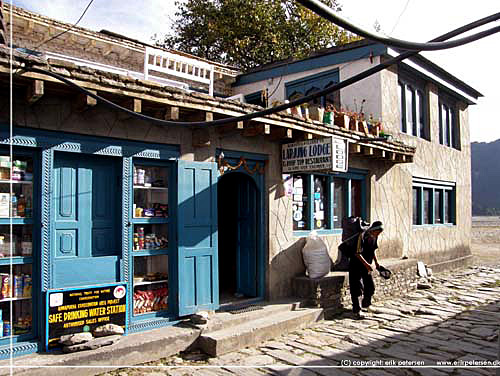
(457, 320)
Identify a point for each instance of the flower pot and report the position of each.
(316, 113)
(363, 126)
(328, 118)
(342, 121)
(353, 124)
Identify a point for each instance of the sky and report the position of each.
(417, 21)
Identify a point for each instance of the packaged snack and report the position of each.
(27, 286)
(18, 286)
(6, 291)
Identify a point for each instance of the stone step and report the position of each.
(254, 332)
(222, 320)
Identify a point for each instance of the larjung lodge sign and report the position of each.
(326, 154)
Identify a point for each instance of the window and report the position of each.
(449, 134)
(311, 84)
(412, 108)
(321, 201)
(433, 202)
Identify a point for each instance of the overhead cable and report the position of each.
(328, 13)
(279, 108)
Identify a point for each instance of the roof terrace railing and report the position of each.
(178, 66)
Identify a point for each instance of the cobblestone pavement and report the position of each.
(458, 319)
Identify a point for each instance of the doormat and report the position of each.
(248, 308)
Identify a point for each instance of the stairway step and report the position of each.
(251, 333)
(222, 320)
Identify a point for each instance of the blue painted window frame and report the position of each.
(310, 84)
(418, 125)
(33, 260)
(446, 208)
(449, 124)
(352, 174)
(171, 231)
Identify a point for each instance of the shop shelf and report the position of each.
(150, 220)
(16, 260)
(16, 181)
(151, 188)
(16, 221)
(150, 252)
(150, 282)
(13, 299)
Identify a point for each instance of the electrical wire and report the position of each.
(400, 15)
(269, 111)
(324, 11)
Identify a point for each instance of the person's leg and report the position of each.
(368, 290)
(355, 289)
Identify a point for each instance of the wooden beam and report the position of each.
(228, 128)
(200, 137)
(368, 151)
(172, 113)
(307, 136)
(392, 156)
(257, 129)
(134, 104)
(380, 153)
(209, 116)
(354, 148)
(84, 102)
(280, 133)
(108, 48)
(35, 91)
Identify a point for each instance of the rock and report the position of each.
(92, 344)
(108, 330)
(75, 339)
(199, 318)
(423, 284)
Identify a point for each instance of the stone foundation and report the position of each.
(332, 291)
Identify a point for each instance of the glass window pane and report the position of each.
(416, 206)
(338, 202)
(356, 198)
(427, 206)
(448, 206)
(320, 208)
(300, 203)
(438, 204)
(448, 127)
(402, 120)
(421, 114)
(409, 109)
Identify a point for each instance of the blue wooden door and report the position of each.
(246, 247)
(197, 237)
(87, 207)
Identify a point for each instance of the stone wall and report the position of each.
(485, 230)
(332, 292)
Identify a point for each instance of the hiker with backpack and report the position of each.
(360, 269)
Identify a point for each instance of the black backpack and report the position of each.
(352, 227)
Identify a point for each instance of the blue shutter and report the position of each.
(197, 237)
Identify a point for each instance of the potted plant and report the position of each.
(328, 115)
(341, 118)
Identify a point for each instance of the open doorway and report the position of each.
(238, 237)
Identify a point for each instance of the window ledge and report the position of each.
(432, 226)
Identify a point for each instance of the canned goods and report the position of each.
(18, 286)
(7, 330)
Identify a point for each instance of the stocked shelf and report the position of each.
(142, 283)
(151, 188)
(16, 260)
(13, 299)
(16, 221)
(16, 182)
(150, 252)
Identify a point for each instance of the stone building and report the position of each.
(179, 218)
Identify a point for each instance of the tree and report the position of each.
(248, 33)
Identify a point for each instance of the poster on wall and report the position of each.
(79, 310)
(325, 154)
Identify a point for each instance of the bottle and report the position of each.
(28, 211)
(21, 206)
(14, 206)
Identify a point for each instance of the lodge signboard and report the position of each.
(84, 309)
(326, 154)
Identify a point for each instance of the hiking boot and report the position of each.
(358, 316)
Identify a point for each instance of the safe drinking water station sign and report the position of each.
(326, 154)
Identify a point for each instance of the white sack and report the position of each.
(315, 255)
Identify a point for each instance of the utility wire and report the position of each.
(400, 15)
(324, 11)
(285, 106)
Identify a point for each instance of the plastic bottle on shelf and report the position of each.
(21, 206)
(14, 206)
(28, 211)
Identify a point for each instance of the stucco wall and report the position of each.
(368, 89)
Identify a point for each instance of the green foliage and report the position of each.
(248, 33)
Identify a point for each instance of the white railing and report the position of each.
(117, 70)
(178, 66)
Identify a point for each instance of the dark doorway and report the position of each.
(238, 237)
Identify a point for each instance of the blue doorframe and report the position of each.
(233, 158)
